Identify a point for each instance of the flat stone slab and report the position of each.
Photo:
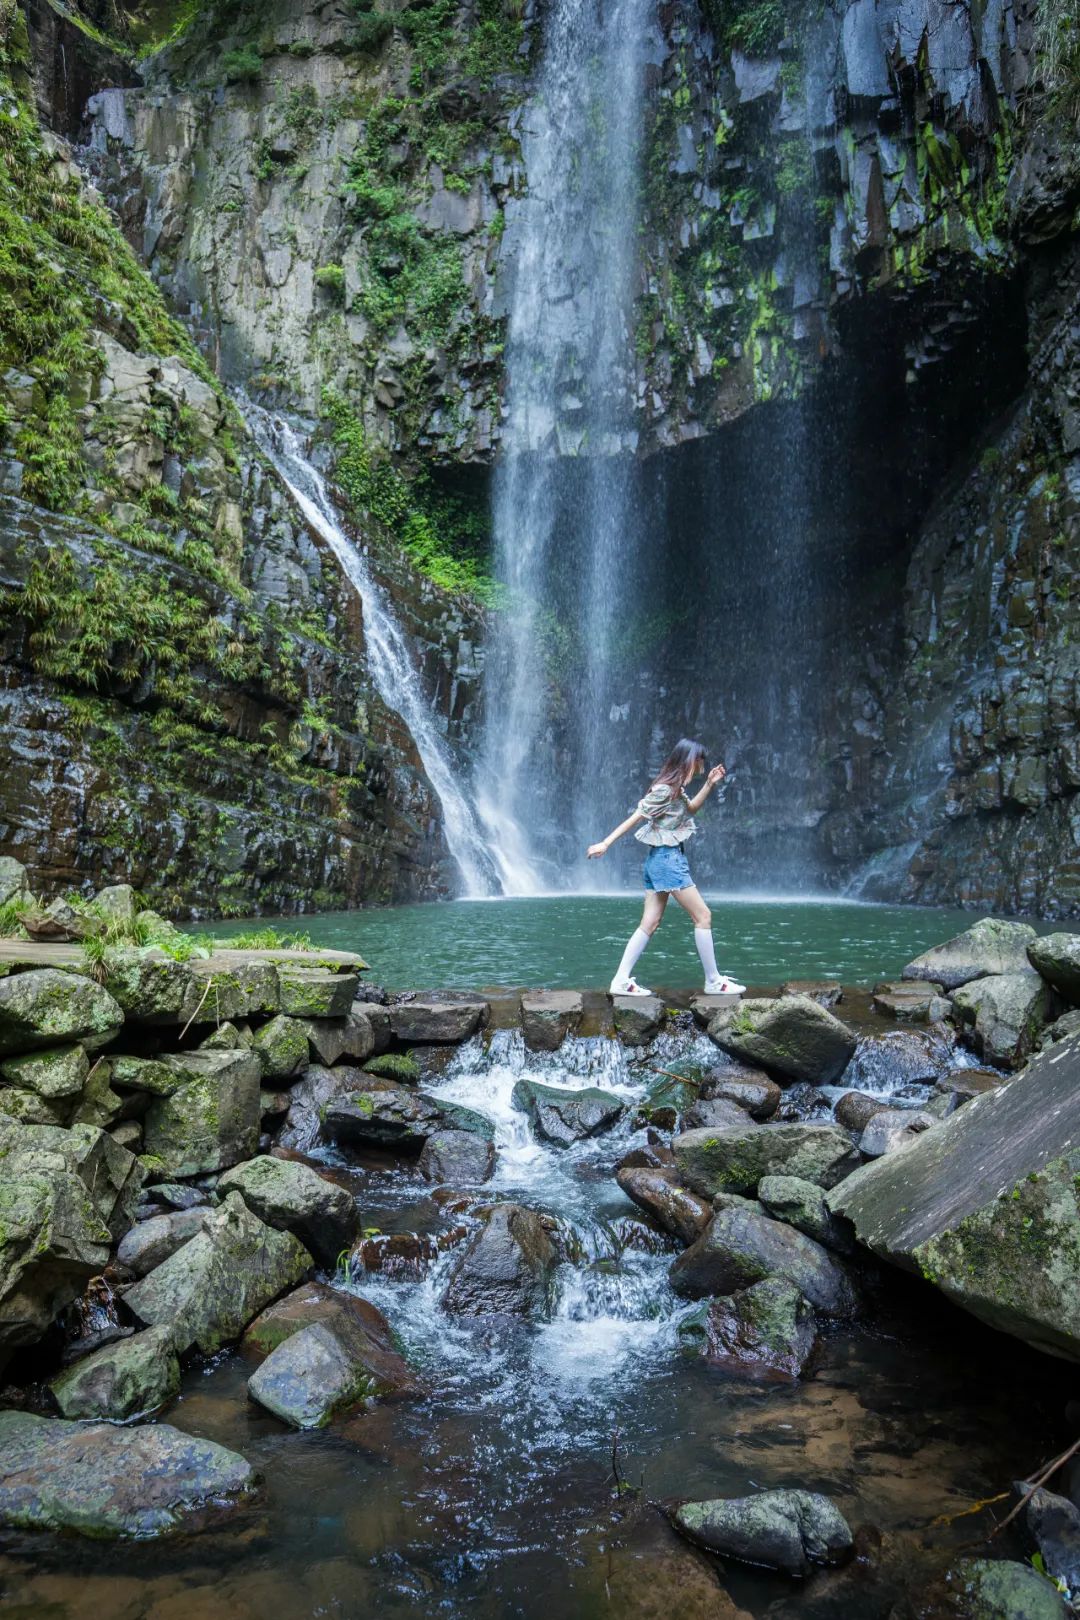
(100, 1480)
(548, 1016)
(433, 1022)
(985, 1205)
(705, 1007)
(637, 1018)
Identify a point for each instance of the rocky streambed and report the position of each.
(503, 1303)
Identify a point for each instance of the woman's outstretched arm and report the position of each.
(594, 851)
(716, 775)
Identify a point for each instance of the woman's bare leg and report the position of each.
(692, 903)
(653, 913)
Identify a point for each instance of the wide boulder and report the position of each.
(1057, 958)
(425, 1023)
(292, 1196)
(765, 1331)
(357, 1319)
(898, 1059)
(315, 992)
(58, 1074)
(987, 947)
(122, 1381)
(548, 1017)
(562, 1117)
(985, 1205)
(507, 1270)
(751, 1089)
(310, 1097)
(791, 1038)
(1004, 1015)
(65, 1198)
(150, 1243)
(99, 1480)
(397, 1118)
(740, 1247)
(661, 1194)
(803, 1205)
(208, 1291)
(457, 1158)
(735, 1158)
(211, 1120)
(786, 1530)
(46, 1007)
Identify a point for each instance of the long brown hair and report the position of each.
(680, 765)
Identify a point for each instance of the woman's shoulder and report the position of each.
(659, 793)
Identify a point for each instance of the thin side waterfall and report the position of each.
(392, 667)
(565, 513)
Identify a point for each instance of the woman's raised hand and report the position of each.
(717, 774)
(594, 851)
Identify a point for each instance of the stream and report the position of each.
(494, 1495)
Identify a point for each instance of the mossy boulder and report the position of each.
(986, 1589)
(398, 1066)
(281, 1047)
(210, 1289)
(561, 1116)
(45, 1007)
(316, 1374)
(99, 1480)
(99, 1103)
(1057, 958)
(296, 1198)
(786, 1530)
(397, 1118)
(315, 992)
(146, 1074)
(987, 947)
(121, 1381)
(58, 1073)
(316, 1302)
(1004, 1015)
(791, 1038)
(765, 1331)
(986, 1206)
(211, 1120)
(802, 1205)
(735, 1158)
(29, 1108)
(117, 903)
(740, 1247)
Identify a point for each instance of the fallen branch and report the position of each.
(669, 1074)
(198, 1009)
(1035, 1484)
(987, 1501)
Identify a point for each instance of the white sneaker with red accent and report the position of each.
(628, 987)
(725, 985)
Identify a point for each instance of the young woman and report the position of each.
(668, 813)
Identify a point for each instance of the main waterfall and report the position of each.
(566, 519)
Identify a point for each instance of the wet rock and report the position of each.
(964, 1084)
(664, 1102)
(211, 1120)
(887, 1063)
(802, 1204)
(562, 1117)
(396, 1118)
(45, 1008)
(421, 1022)
(826, 992)
(296, 1198)
(739, 1247)
(637, 1019)
(735, 1159)
(208, 1291)
(785, 1530)
(660, 1193)
(315, 992)
(984, 1206)
(150, 1243)
(57, 1074)
(179, 1195)
(100, 1480)
(281, 1047)
(399, 1254)
(705, 1008)
(352, 1036)
(714, 1113)
(791, 1038)
(1053, 1524)
(456, 1158)
(121, 1381)
(378, 1016)
(507, 1269)
(767, 1330)
(65, 1197)
(314, 1374)
(988, 947)
(984, 1589)
(891, 1129)
(1057, 958)
(311, 1096)
(548, 1016)
(855, 1109)
(366, 1328)
(906, 1001)
(1004, 1014)
(752, 1090)
(653, 1156)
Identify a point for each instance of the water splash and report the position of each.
(390, 658)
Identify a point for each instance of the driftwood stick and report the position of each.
(1033, 1485)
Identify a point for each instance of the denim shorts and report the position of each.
(667, 868)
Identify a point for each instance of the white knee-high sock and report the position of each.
(635, 945)
(707, 951)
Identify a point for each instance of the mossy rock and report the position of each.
(401, 1066)
(211, 1120)
(59, 1073)
(45, 1007)
(121, 1381)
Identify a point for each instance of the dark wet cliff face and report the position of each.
(852, 393)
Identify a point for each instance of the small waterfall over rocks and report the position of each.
(392, 666)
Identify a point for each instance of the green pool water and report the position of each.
(576, 941)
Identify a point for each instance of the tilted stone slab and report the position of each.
(121, 1381)
(296, 1197)
(988, 946)
(987, 1205)
(99, 1480)
(548, 1016)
